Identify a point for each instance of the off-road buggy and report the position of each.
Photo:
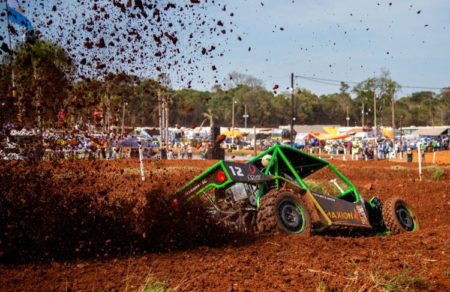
(290, 191)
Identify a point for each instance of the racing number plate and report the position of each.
(245, 172)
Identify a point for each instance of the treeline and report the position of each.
(45, 84)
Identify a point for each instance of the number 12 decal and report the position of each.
(236, 170)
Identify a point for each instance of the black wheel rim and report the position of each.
(405, 217)
(291, 216)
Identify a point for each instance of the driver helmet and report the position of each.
(265, 160)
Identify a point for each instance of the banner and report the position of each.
(15, 17)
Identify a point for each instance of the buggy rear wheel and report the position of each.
(398, 216)
(283, 211)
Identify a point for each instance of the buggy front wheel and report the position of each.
(283, 211)
(398, 216)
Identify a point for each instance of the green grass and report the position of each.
(322, 287)
(154, 285)
(436, 173)
(398, 282)
(377, 280)
(316, 186)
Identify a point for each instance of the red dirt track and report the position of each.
(89, 225)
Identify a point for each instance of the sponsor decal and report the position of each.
(254, 177)
(252, 169)
(340, 215)
(361, 215)
(325, 197)
(196, 187)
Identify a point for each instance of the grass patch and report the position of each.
(399, 282)
(375, 280)
(154, 285)
(436, 173)
(316, 186)
(321, 287)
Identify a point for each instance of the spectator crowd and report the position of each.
(76, 144)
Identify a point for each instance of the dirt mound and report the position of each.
(68, 210)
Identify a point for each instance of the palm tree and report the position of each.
(209, 116)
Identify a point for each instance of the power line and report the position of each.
(338, 82)
(422, 87)
(320, 81)
(311, 78)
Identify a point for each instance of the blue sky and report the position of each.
(342, 40)
(347, 40)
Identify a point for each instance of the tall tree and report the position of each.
(377, 94)
(85, 97)
(7, 107)
(387, 88)
(444, 108)
(43, 75)
(365, 96)
(236, 79)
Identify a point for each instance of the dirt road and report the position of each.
(415, 260)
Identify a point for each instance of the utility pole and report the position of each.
(347, 118)
(166, 115)
(292, 109)
(362, 115)
(160, 119)
(163, 121)
(393, 115)
(123, 116)
(375, 112)
(245, 115)
(232, 121)
(163, 118)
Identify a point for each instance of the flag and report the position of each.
(16, 17)
(15, 5)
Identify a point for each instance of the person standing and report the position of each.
(170, 154)
(203, 152)
(423, 148)
(189, 151)
(381, 148)
(355, 150)
(404, 149)
(178, 134)
(396, 149)
(409, 155)
(182, 151)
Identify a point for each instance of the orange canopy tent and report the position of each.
(323, 137)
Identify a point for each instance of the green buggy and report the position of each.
(289, 191)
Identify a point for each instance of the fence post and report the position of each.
(419, 159)
(141, 162)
